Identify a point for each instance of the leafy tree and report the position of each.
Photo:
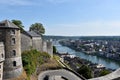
(38, 28)
(104, 72)
(54, 49)
(19, 24)
(85, 71)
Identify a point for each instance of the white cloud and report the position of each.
(87, 28)
(15, 2)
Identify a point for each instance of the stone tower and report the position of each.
(10, 36)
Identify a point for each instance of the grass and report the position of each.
(23, 76)
(34, 62)
(32, 59)
(51, 64)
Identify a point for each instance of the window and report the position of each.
(14, 63)
(2, 55)
(2, 24)
(12, 32)
(13, 41)
(14, 53)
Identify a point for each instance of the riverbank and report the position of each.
(93, 53)
(101, 48)
(93, 58)
(77, 63)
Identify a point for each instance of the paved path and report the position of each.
(61, 72)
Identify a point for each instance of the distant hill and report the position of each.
(82, 37)
(100, 38)
(60, 37)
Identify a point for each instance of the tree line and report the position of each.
(36, 27)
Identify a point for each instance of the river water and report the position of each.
(95, 59)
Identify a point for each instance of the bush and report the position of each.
(54, 49)
(33, 58)
(104, 72)
(85, 71)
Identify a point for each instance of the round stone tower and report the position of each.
(11, 39)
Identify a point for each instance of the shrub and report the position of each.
(85, 71)
(33, 58)
(104, 72)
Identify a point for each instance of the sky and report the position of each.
(66, 17)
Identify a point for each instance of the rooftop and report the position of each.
(7, 24)
(33, 34)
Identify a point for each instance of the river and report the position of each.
(95, 59)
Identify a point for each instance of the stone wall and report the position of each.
(12, 74)
(13, 61)
(44, 43)
(37, 43)
(2, 57)
(26, 42)
(111, 76)
(50, 48)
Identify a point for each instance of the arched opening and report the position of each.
(12, 32)
(13, 41)
(14, 53)
(14, 63)
(2, 55)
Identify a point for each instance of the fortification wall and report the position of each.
(50, 48)
(2, 52)
(2, 57)
(13, 63)
(12, 45)
(2, 34)
(11, 66)
(26, 42)
(37, 43)
(44, 46)
(12, 74)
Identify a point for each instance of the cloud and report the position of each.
(86, 28)
(15, 2)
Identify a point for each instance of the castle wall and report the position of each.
(2, 52)
(2, 58)
(13, 63)
(44, 46)
(50, 48)
(2, 34)
(37, 43)
(13, 73)
(26, 42)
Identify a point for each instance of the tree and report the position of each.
(54, 49)
(85, 71)
(104, 72)
(38, 28)
(19, 24)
